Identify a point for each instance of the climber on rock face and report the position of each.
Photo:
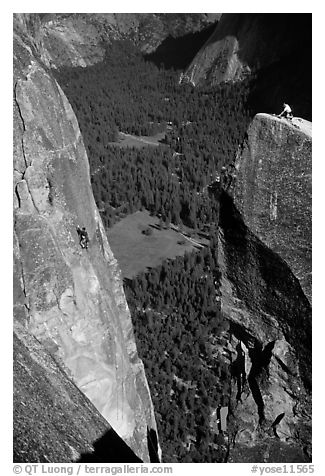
(83, 237)
(287, 112)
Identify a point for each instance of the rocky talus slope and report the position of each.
(273, 189)
(70, 300)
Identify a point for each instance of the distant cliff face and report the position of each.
(276, 47)
(81, 39)
(273, 189)
(243, 42)
(70, 299)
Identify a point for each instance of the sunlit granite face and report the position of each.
(273, 188)
(70, 299)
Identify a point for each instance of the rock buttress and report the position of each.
(273, 189)
(70, 299)
(270, 347)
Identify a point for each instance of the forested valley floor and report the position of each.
(175, 306)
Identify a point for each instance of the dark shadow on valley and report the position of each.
(110, 448)
(177, 53)
(260, 359)
(152, 445)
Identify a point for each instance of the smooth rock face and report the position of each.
(53, 420)
(70, 299)
(273, 189)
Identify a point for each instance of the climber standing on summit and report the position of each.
(287, 112)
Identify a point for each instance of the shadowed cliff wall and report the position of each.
(270, 318)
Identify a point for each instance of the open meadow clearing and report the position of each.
(135, 251)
